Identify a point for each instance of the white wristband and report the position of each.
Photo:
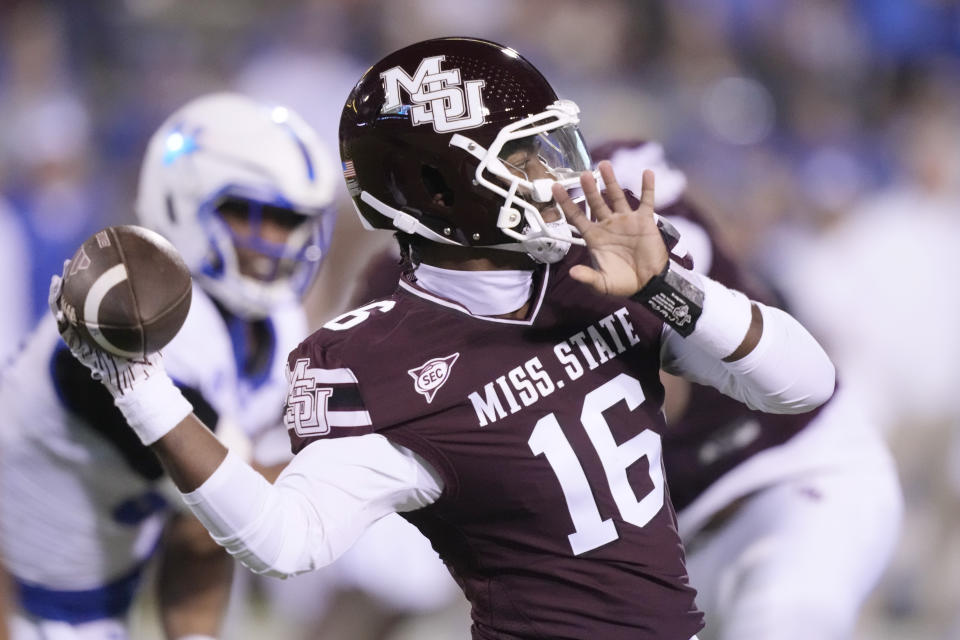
(153, 407)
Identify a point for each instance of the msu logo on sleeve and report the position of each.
(320, 400)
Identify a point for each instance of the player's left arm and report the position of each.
(193, 580)
(715, 335)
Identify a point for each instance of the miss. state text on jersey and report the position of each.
(588, 349)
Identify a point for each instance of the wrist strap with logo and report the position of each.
(675, 296)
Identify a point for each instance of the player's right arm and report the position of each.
(323, 500)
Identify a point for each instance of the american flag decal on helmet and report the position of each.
(350, 175)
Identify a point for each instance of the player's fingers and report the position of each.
(591, 191)
(646, 189)
(53, 292)
(69, 336)
(588, 275)
(571, 210)
(614, 192)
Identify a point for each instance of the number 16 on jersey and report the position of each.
(590, 529)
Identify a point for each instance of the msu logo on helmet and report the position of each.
(437, 96)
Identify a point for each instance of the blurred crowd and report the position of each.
(823, 134)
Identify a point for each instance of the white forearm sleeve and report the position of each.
(787, 372)
(322, 502)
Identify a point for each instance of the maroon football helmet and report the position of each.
(425, 134)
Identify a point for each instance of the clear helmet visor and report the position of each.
(521, 165)
(540, 160)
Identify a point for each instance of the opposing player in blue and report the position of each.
(506, 398)
(244, 191)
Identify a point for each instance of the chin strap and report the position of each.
(404, 221)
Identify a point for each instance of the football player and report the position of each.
(244, 191)
(768, 505)
(506, 399)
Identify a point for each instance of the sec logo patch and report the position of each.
(431, 375)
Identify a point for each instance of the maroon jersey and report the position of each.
(379, 278)
(716, 433)
(554, 518)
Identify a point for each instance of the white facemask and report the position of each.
(552, 248)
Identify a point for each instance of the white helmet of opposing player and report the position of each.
(227, 155)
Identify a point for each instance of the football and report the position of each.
(127, 291)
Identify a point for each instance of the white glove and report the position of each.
(141, 389)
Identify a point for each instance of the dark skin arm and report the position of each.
(190, 453)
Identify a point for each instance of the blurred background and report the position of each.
(823, 134)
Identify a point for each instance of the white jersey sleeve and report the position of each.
(787, 371)
(262, 401)
(75, 513)
(201, 355)
(328, 495)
